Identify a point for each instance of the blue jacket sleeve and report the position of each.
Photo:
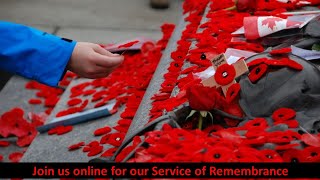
(33, 54)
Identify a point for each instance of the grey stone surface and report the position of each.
(53, 148)
(14, 94)
(142, 114)
(106, 35)
(134, 14)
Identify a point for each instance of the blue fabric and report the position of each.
(33, 54)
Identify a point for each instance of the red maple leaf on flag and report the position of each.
(271, 22)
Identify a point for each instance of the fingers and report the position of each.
(100, 50)
(99, 75)
(108, 61)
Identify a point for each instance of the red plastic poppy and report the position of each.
(311, 154)
(257, 123)
(89, 92)
(257, 72)
(283, 114)
(129, 44)
(280, 51)
(116, 139)
(102, 131)
(109, 152)
(4, 143)
(76, 146)
(257, 62)
(15, 156)
(95, 150)
(27, 139)
(35, 101)
(74, 102)
(292, 155)
(311, 140)
(60, 130)
(219, 154)
(225, 74)
(233, 92)
(268, 155)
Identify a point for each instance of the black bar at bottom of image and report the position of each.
(159, 170)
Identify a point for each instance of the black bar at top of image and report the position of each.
(159, 170)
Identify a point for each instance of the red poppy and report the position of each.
(35, 101)
(109, 152)
(95, 150)
(1, 158)
(102, 131)
(257, 123)
(74, 101)
(15, 156)
(257, 72)
(292, 155)
(233, 92)
(76, 146)
(129, 44)
(280, 51)
(225, 74)
(280, 137)
(311, 140)
(4, 143)
(60, 130)
(89, 92)
(115, 139)
(120, 128)
(268, 155)
(283, 114)
(257, 62)
(219, 154)
(27, 139)
(311, 154)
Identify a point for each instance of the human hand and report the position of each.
(92, 61)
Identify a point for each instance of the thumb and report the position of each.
(100, 50)
(108, 61)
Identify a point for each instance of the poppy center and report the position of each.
(225, 74)
(176, 65)
(269, 156)
(258, 70)
(313, 154)
(217, 156)
(294, 160)
(203, 57)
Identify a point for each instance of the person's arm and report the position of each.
(33, 54)
(45, 58)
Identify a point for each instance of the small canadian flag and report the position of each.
(260, 26)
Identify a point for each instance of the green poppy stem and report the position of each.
(200, 122)
(231, 8)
